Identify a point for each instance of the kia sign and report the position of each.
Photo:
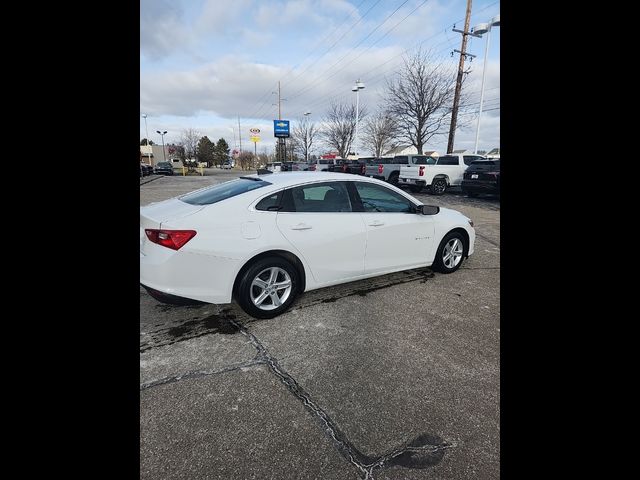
(255, 132)
(281, 128)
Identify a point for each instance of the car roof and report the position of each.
(294, 178)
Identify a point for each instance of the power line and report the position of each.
(360, 43)
(376, 67)
(340, 38)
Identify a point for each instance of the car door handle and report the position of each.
(376, 223)
(301, 226)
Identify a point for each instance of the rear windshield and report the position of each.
(222, 191)
(488, 163)
(164, 164)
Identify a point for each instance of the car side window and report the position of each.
(376, 198)
(318, 198)
(270, 203)
(448, 160)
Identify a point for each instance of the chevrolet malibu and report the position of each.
(264, 239)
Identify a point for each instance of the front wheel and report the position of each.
(450, 253)
(438, 186)
(268, 287)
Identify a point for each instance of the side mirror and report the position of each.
(427, 209)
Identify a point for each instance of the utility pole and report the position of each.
(239, 134)
(281, 146)
(456, 96)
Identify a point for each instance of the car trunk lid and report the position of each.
(161, 214)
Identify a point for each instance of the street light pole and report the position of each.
(480, 29)
(162, 134)
(356, 88)
(144, 115)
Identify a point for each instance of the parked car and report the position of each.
(322, 165)
(388, 168)
(482, 176)
(356, 167)
(274, 167)
(227, 166)
(264, 239)
(438, 174)
(164, 168)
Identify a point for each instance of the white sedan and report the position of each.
(264, 239)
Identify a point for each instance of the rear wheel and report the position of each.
(268, 287)
(393, 178)
(450, 253)
(438, 186)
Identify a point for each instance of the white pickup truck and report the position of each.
(438, 174)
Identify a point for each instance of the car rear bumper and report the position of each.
(195, 276)
(479, 186)
(411, 181)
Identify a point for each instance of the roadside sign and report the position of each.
(281, 128)
(254, 131)
(255, 139)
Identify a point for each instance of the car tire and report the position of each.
(444, 263)
(258, 279)
(394, 179)
(415, 188)
(438, 186)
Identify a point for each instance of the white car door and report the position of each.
(319, 221)
(396, 237)
(453, 167)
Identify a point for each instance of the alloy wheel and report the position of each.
(270, 288)
(452, 253)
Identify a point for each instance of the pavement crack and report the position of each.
(198, 373)
(423, 451)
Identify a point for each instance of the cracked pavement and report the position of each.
(395, 377)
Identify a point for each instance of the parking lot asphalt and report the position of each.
(394, 377)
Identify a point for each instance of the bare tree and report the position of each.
(340, 127)
(380, 133)
(420, 97)
(246, 160)
(189, 140)
(304, 135)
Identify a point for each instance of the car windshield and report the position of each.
(222, 191)
(164, 164)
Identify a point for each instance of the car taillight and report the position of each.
(344, 169)
(363, 168)
(173, 239)
(380, 169)
(312, 167)
(421, 172)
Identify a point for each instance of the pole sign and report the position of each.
(281, 128)
(255, 134)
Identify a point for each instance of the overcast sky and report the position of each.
(204, 63)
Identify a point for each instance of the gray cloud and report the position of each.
(162, 29)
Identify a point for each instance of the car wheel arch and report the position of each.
(442, 175)
(286, 255)
(465, 236)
